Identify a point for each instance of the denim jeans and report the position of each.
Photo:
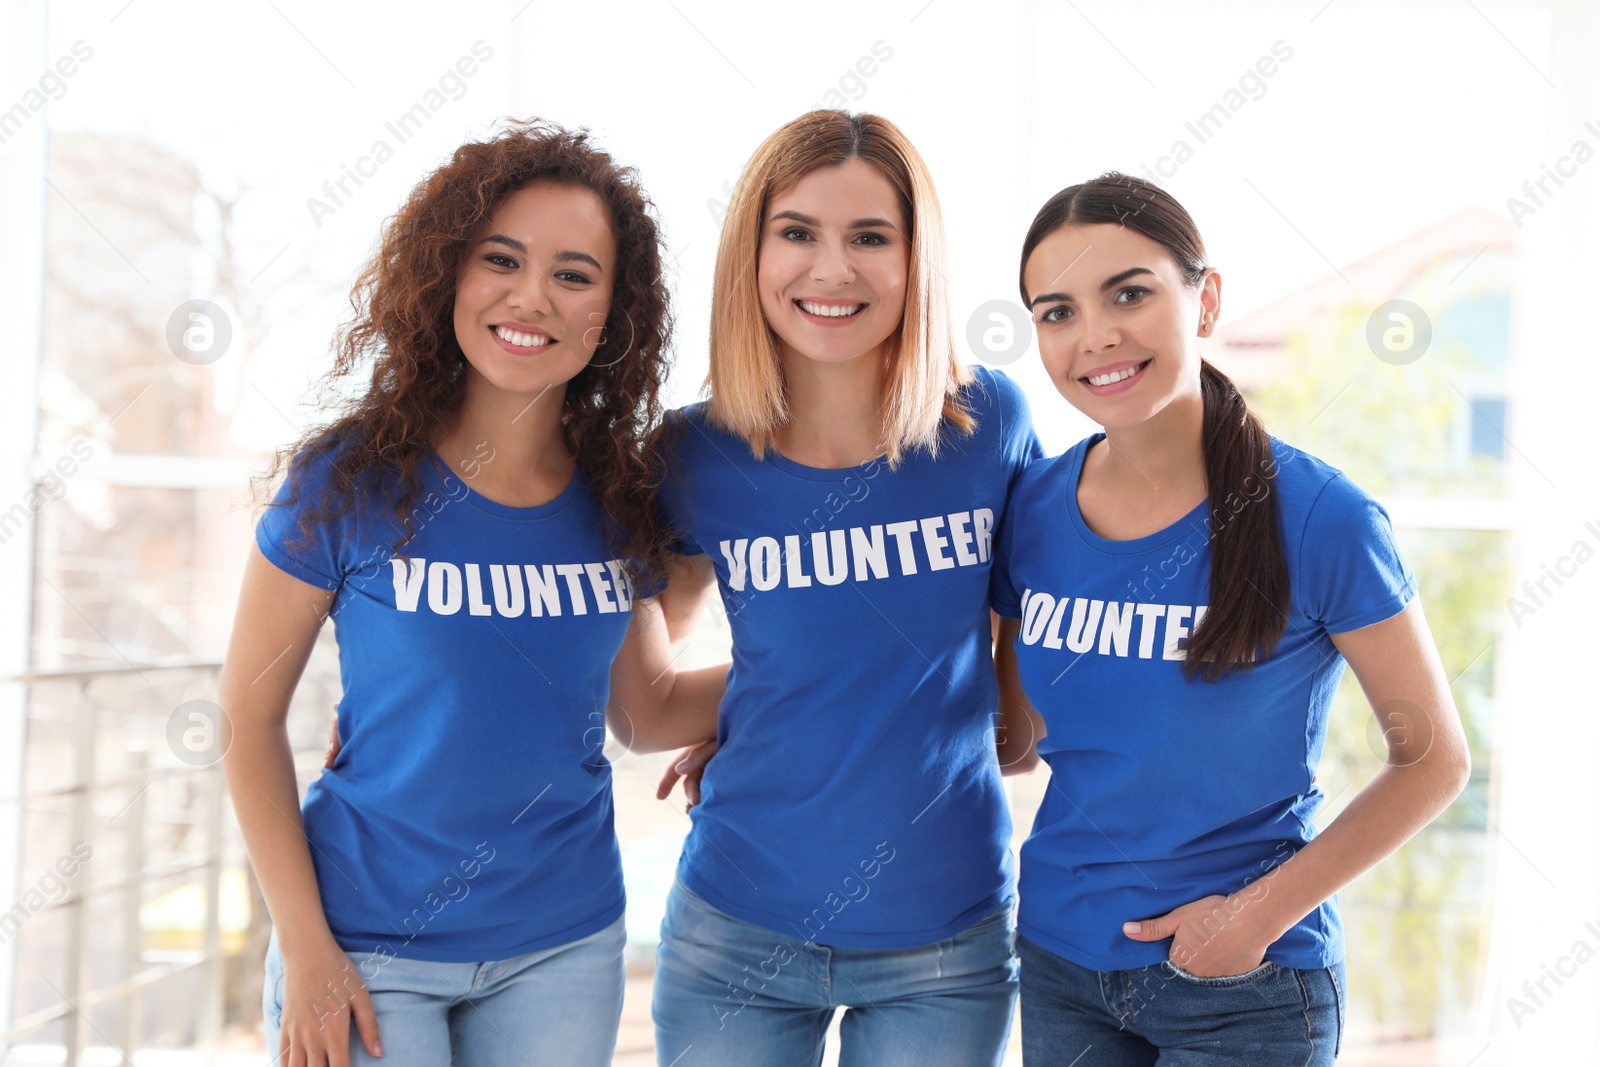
(729, 992)
(1272, 1016)
(558, 1007)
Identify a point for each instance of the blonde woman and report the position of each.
(841, 487)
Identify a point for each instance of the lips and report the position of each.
(521, 339)
(1114, 377)
(830, 309)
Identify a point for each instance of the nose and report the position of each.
(1099, 332)
(529, 293)
(831, 264)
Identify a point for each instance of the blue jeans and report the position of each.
(1272, 1016)
(729, 992)
(558, 1007)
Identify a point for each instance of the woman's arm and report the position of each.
(275, 627)
(1019, 728)
(654, 706)
(1427, 767)
(690, 581)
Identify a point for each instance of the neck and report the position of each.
(509, 446)
(835, 410)
(1165, 453)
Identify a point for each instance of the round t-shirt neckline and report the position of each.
(1164, 536)
(818, 474)
(439, 470)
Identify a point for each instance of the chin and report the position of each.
(838, 356)
(1123, 422)
(832, 352)
(517, 379)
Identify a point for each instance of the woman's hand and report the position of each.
(691, 767)
(1213, 937)
(321, 991)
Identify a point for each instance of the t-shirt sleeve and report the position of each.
(1019, 444)
(1350, 567)
(645, 585)
(678, 519)
(1004, 596)
(676, 496)
(314, 557)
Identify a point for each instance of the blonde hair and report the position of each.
(923, 377)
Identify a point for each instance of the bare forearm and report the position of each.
(1017, 733)
(1394, 806)
(686, 715)
(1018, 726)
(1014, 757)
(1427, 766)
(683, 601)
(261, 780)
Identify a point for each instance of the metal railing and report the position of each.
(127, 827)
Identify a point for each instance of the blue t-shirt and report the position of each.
(856, 799)
(468, 816)
(1162, 790)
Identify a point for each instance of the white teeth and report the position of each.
(522, 340)
(1115, 376)
(831, 312)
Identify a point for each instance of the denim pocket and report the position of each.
(1223, 980)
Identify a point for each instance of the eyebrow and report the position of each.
(561, 257)
(1111, 282)
(858, 224)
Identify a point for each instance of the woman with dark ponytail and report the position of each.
(1205, 584)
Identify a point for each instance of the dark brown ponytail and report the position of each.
(1249, 595)
(1249, 579)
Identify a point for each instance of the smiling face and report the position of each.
(833, 263)
(1117, 322)
(535, 287)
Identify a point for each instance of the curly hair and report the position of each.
(404, 302)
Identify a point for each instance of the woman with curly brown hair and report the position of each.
(475, 523)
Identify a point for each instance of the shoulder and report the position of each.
(1346, 570)
(691, 426)
(313, 466)
(999, 408)
(1048, 478)
(990, 390)
(310, 476)
(687, 432)
(327, 480)
(1318, 501)
(695, 454)
(694, 413)
(1299, 470)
